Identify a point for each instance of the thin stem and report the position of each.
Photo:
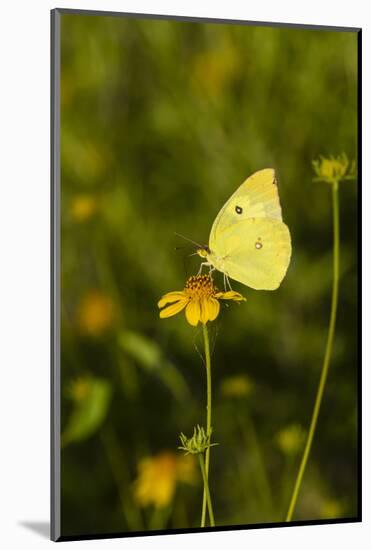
(208, 416)
(206, 489)
(328, 352)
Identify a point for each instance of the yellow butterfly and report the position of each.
(248, 240)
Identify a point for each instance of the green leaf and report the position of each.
(142, 349)
(89, 412)
(148, 355)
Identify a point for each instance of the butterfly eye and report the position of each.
(238, 209)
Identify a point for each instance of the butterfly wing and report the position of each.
(255, 252)
(257, 197)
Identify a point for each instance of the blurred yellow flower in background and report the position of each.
(68, 90)
(83, 207)
(96, 313)
(79, 388)
(214, 69)
(291, 439)
(199, 298)
(158, 476)
(331, 509)
(239, 385)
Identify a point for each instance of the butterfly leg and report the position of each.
(225, 281)
(228, 282)
(201, 266)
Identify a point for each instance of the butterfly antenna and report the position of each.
(187, 239)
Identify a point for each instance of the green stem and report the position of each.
(328, 352)
(206, 489)
(208, 416)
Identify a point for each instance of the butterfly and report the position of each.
(248, 240)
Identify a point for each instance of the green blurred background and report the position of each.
(160, 123)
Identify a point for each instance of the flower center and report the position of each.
(200, 286)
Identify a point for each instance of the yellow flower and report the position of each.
(200, 298)
(79, 388)
(237, 386)
(158, 477)
(214, 70)
(332, 509)
(83, 207)
(96, 313)
(290, 439)
(334, 169)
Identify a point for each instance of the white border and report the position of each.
(24, 234)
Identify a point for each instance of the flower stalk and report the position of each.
(330, 171)
(200, 300)
(208, 420)
(199, 444)
(206, 489)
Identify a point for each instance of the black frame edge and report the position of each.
(247, 527)
(359, 269)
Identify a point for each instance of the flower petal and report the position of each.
(230, 295)
(204, 317)
(171, 297)
(173, 309)
(193, 312)
(213, 308)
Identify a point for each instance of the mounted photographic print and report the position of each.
(205, 274)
